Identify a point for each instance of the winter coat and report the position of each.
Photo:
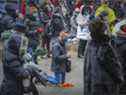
(102, 70)
(58, 57)
(12, 67)
(33, 39)
(117, 27)
(6, 23)
(105, 8)
(70, 5)
(120, 43)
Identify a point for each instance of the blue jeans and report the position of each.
(60, 77)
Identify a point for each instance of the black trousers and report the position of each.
(46, 44)
(81, 47)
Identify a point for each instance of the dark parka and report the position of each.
(120, 43)
(6, 23)
(12, 66)
(102, 71)
(59, 56)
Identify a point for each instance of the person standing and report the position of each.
(83, 33)
(102, 69)
(14, 72)
(120, 45)
(8, 18)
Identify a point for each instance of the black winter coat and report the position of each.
(12, 66)
(102, 70)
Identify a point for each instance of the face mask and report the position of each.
(76, 14)
(85, 13)
(35, 14)
(65, 39)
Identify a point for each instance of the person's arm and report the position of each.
(17, 69)
(121, 34)
(56, 53)
(12, 59)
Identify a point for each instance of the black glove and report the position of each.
(25, 73)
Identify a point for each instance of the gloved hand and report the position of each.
(26, 73)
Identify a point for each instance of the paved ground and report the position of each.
(75, 77)
(1, 74)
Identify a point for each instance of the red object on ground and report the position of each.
(40, 30)
(67, 85)
(23, 7)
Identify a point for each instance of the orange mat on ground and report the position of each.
(67, 85)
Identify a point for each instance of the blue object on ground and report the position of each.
(52, 80)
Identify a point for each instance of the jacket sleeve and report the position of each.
(109, 61)
(16, 69)
(12, 61)
(56, 53)
(49, 30)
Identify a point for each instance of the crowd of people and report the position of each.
(99, 26)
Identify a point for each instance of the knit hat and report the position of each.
(20, 25)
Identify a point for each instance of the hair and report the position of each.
(85, 9)
(97, 29)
